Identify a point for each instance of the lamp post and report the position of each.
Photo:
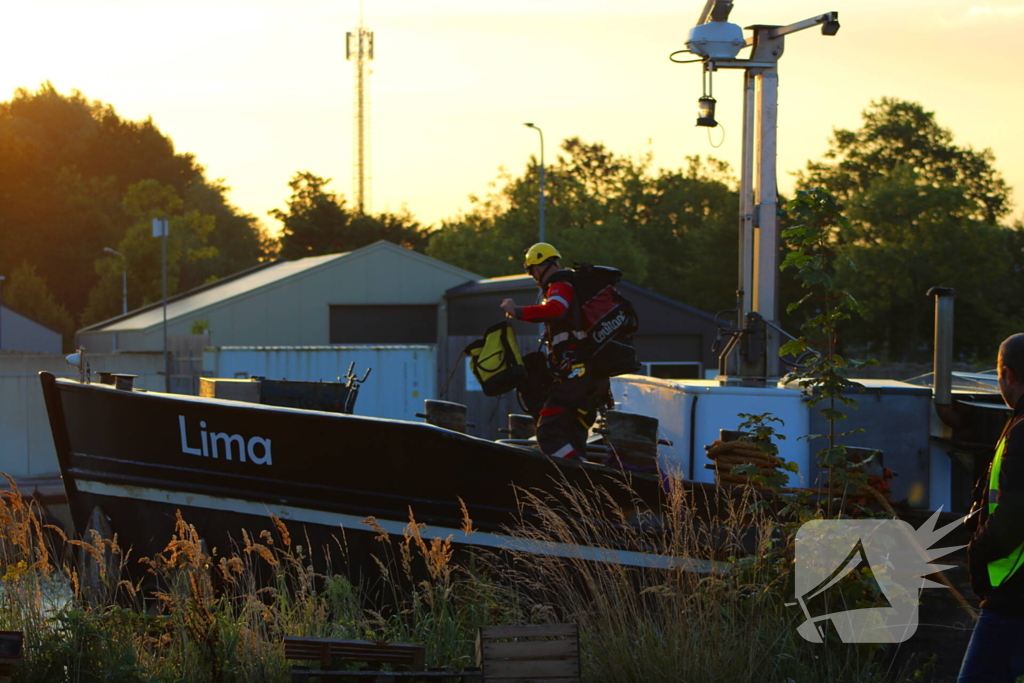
(124, 279)
(537, 128)
(160, 229)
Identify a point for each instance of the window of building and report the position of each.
(383, 325)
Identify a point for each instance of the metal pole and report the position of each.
(746, 226)
(167, 358)
(766, 272)
(942, 379)
(537, 128)
(541, 184)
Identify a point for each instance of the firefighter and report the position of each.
(996, 552)
(577, 391)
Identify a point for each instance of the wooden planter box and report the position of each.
(509, 654)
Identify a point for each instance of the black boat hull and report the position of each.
(227, 466)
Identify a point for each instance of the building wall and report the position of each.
(26, 447)
(18, 333)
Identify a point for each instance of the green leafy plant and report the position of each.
(758, 430)
(814, 256)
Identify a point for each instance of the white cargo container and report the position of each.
(401, 377)
(691, 412)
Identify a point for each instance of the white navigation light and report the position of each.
(716, 40)
(74, 360)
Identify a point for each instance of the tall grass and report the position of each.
(210, 615)
(201, 615)
(718, 614)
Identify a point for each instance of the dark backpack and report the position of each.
(608, 318)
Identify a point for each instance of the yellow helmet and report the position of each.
(539, 253)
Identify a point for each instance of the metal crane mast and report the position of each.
(359, 49)
(752, 354)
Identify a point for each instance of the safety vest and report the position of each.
(1002, 569)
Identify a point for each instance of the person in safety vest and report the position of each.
(996, 552)
(577, 391)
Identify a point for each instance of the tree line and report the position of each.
(924, 211)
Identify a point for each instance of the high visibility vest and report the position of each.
(1002, 569)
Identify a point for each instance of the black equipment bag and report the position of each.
(608, 318)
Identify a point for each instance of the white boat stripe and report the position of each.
(479, 538)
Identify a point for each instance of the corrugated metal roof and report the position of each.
(510, 283)
(494, 284)
(204, 297)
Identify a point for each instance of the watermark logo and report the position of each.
(888, 555)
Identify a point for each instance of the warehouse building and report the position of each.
(21, 332)
(380, 294)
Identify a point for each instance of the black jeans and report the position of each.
(568, 413)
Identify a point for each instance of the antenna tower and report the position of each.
(359, 49)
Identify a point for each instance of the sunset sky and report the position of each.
(259, 89)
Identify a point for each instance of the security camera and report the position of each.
(831, 25)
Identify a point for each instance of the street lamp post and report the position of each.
(160, 229)
(124, 279)
(537, 128)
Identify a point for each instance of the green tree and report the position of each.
(187, 249)
(687, 226)
(239, 239)
(319, 222)
(67, 164)
(919, 208)
(899, 133)
(585, 217)
(672, 231)
(27, 292)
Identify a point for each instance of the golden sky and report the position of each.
(259, 89)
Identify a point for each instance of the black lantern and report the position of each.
(706, 103)
(706, 112)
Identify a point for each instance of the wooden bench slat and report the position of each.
(538, 668)
(324, 649)
(532, 650)
(532, 631)
(466, 675)
(350, 654)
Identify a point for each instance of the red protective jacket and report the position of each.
(560, 315)
(556, 303)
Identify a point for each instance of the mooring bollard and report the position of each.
(445, 414)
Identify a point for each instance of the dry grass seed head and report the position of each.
(371, 522)
(286, 537)
(264, 553)
(467, 523)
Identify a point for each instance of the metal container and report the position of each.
(690, 414)
(403, 375)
